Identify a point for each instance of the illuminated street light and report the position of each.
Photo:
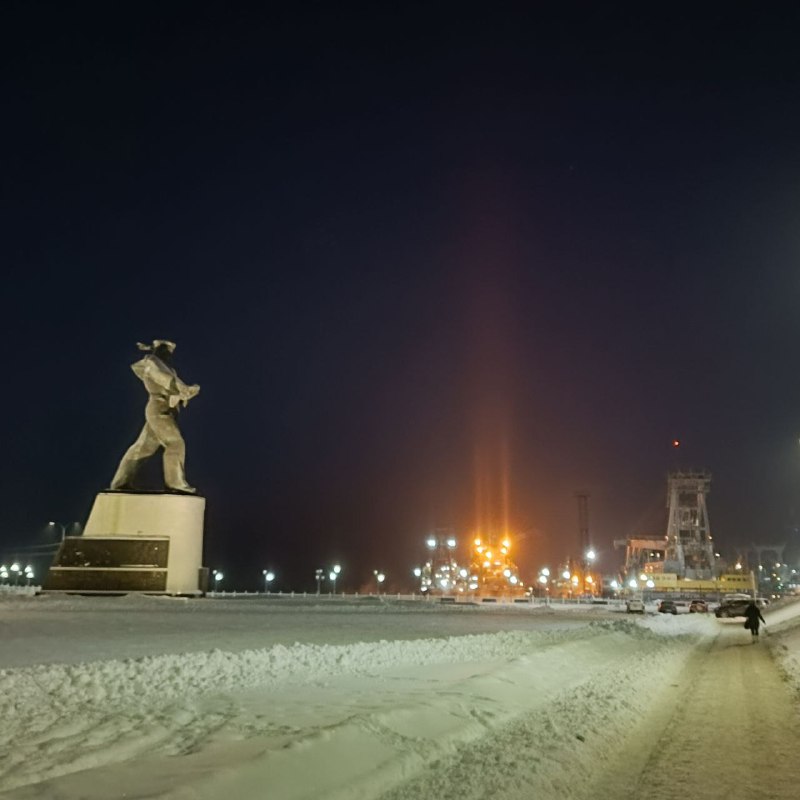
(565, 574)
(333, 575)
(451, 543)
(379, 578)
(218, 576)
(632, 583)
(319, 575)
(543, 579)
(591, 555)
(417, 572)
(431, 543)
(269, 576)
(59, 525)
(546, 572)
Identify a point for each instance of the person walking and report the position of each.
(753, 614)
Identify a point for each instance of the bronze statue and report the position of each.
(168, 393)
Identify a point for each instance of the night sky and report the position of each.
(430, 268)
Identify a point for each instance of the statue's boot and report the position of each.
(174, 473)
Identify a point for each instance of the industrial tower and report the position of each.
(583, 522)
(690, 550)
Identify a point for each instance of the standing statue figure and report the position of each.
(167, 394)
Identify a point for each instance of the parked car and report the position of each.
(635, 605)
(667, 607)
(734, 607)
(698, 607)
(731, 608)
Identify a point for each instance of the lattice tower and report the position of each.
(690, 549)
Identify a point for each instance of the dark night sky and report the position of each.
(404, 254)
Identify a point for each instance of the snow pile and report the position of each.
(293, 716)
(783, 634)
(160, 679)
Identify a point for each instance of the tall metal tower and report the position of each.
(583, 522)
(690, 550)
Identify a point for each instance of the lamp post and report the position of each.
(590, 556)
(218, 576)
(334, 574)
(319, 574)
(379, 579)
(269, 576)
(59, 525)
(29, 574)
(15, 570)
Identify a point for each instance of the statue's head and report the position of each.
(161, 348)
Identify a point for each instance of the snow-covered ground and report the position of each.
(161, 698)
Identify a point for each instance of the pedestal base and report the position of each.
(135, 542)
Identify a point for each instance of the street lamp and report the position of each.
(334, 574)
(379, 578)
(589, 558)
(59, 525)
(269, 576)
(218, 576)
(319, 574)
(29, 573)
(15, 571)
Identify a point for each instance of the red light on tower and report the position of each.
(676, 443)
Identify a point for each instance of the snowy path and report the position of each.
(733, 730)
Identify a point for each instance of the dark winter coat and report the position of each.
(753, 615)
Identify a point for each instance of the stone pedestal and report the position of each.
(135, 542)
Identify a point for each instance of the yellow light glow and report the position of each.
(575, 579)
(503, 550)
(589, 579)
(488, 554)
(506, 543)
(487, 564)
(477, 542)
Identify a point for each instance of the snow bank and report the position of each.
(33, 690)
(783, 634)
(306, 718)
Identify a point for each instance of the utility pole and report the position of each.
(583, 531)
